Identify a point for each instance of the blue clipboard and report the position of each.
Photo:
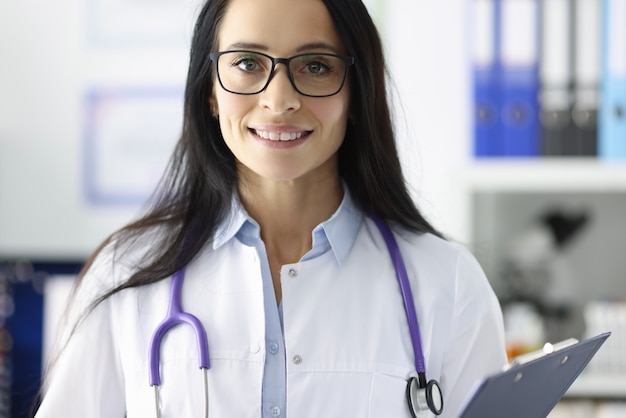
(532, 385)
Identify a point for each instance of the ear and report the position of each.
(214, 108)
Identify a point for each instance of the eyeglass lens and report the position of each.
(247, 72)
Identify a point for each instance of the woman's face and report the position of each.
(279, 134)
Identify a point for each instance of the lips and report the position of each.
(274, 135)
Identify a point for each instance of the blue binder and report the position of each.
(612, 126)
(532, 387)
(520, 122)
(506, 87)
(520, 77)
(487, 121)
(486, 79)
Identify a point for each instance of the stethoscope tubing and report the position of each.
(407, 295)
(176, 315)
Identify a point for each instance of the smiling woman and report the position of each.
(280, 110)
(269, 236)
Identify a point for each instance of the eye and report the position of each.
(314, 64)
(317, 67)
(248, 63)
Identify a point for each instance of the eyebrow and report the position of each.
(247, 45)
(302, 48)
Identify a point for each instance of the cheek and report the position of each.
(333, 113)
(231, 110)
(230, 105)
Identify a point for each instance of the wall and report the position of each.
(56, 200)
(428, 50)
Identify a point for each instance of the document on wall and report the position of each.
(130, 135)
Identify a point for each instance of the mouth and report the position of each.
(280, 136)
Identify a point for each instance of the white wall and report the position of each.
(54, 52)
(428, 50)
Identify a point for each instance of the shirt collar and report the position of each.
(341, 228)
(339, 231)
(231, 224)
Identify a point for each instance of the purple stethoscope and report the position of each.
(421, 394)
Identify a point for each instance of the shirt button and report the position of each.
(275, 411)
(297, 359)
(293, 273)
(273, 347)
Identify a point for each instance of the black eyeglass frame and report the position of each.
(348, 61)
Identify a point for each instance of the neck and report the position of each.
(288, 211)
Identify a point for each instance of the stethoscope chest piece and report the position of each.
(424, 398)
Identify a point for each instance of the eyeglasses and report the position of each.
(313, 74)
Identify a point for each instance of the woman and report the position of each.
(269, 205)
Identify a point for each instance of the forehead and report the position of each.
(278, 26)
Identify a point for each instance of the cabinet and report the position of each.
(505, 201)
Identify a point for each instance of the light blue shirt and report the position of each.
(336, 234)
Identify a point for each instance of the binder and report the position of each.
(612, 128)
(586, 65)
(520, 77)
(486, 83)
(556, 78)
(506, 78)
(534, 383)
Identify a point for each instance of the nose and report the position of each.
(280, 96)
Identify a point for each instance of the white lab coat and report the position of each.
(347, 341)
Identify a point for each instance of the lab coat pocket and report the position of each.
(388, 397)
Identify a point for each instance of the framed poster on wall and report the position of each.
(130, 134)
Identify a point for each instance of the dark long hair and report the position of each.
(196, 192)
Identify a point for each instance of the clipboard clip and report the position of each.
(548, 348)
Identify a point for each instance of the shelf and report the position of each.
(599, 386)
(545, 175)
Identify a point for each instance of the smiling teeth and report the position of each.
(279, 136)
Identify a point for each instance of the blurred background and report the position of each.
(509, 124)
